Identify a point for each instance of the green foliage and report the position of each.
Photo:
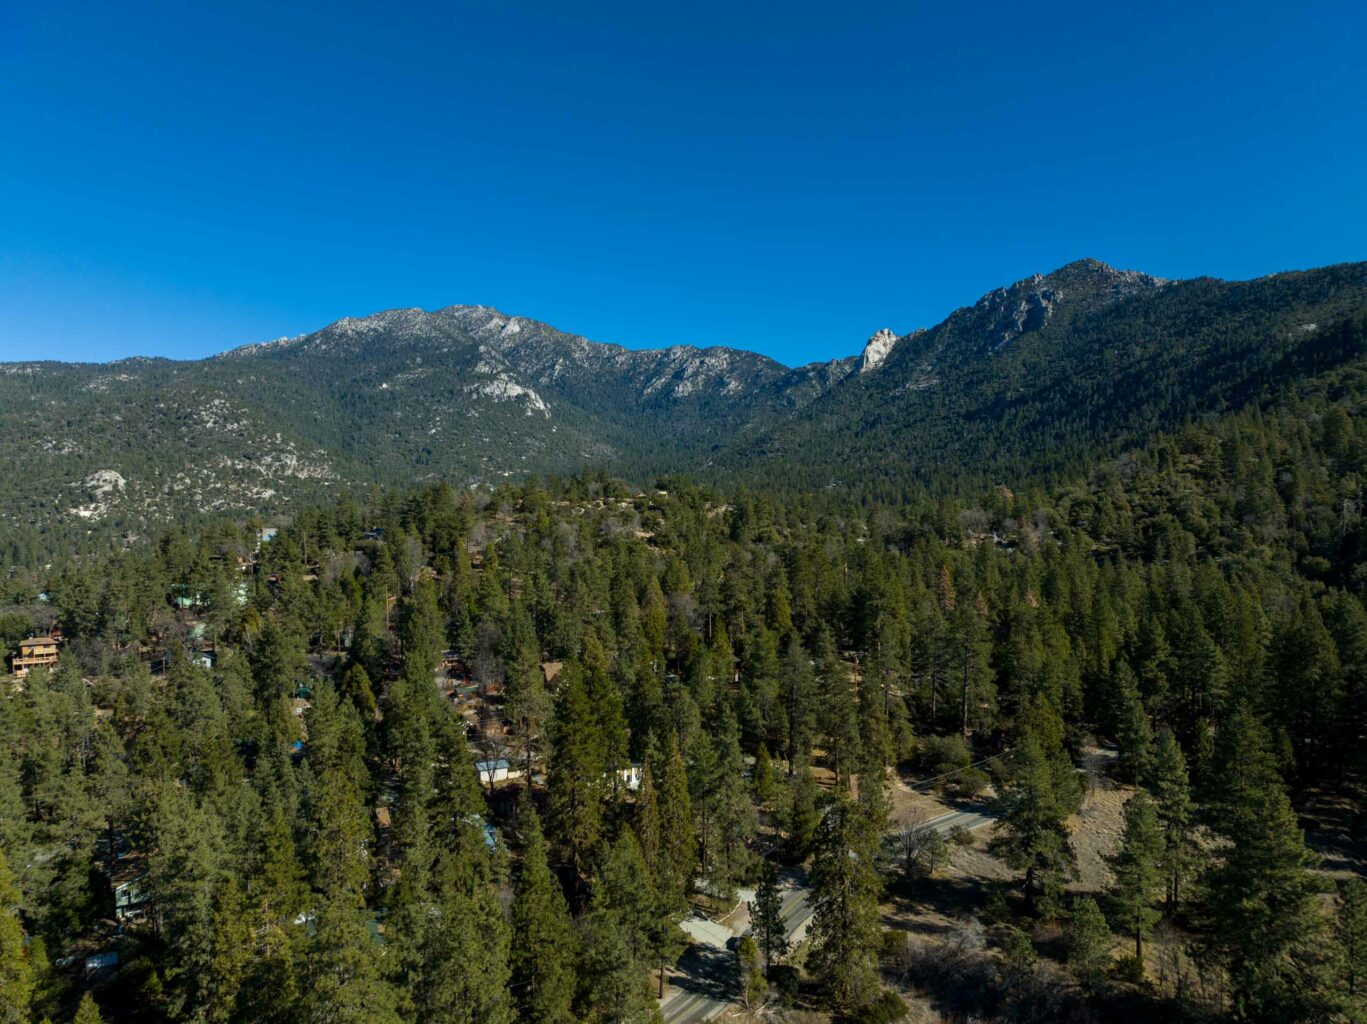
(1038, 791)
(16, 969)
(766, 916)
(845, 888)
(888, 1008)
(1136, 869)
(1266, 928)
(1089, 942)
(1351, 933)
(88, 1012)
(308, 862)
(542, 949)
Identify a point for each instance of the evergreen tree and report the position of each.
(752, 984)
(16, 968)
(620, 939)
(542, 949)
(1089, 943)
(803, 813)
(845, 887)
(465, 955)
(1172, 793)
(771, 931)
(1351, 932)
(678, 838)
(1136, 866)
(527, 705)
(575, 782)
(1134, 737)
(346, 983)
(88, 1012)
(1265, 926)
(1036, 796)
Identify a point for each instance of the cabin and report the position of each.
(498, 770)
(35, 652)
(130, 903)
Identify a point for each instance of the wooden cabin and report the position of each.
(35, 652)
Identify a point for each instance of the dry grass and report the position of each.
(1096, 829)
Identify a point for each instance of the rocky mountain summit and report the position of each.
(876, 349)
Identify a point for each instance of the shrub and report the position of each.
(967, 784)
(893, 944)
(888, 1008)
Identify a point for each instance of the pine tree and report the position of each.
(1172, 793)
(1036, 796)
(678, 837)
(575, 779)
(1089, 943)
(465, 954)
(646, 822)
(346, 984)
(1134, 737)
(803, 814)
(542, 951)
(527, 705)
(731, 815)
(183, 873)
(232, 952)
(1351, 931)
(766, 918)
(1138, 877)
(88, 1012)
(1265, 925)
(621, 939)
(837, 713)
(16, 969)
(845, 886)
(752, 984)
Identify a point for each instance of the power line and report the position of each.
(957, 771)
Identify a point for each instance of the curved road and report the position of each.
(707, 982)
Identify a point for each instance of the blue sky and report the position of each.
(177, 179)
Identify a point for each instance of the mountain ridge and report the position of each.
(1024, 380)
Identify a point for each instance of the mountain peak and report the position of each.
(876, 349)
(1095, 274)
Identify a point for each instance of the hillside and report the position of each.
(1034, 379)
(393, 738)
(1026, 383)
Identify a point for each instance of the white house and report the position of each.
(490, 772)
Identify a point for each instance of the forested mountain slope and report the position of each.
(1039, 377)
(1029, 382)
(304, 831)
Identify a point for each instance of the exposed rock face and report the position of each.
(104, 481)
(877, 349)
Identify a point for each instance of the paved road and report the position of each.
(970, 818)
(707, 983)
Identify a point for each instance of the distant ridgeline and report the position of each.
(1027, 386)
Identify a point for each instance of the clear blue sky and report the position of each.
(181, 178)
